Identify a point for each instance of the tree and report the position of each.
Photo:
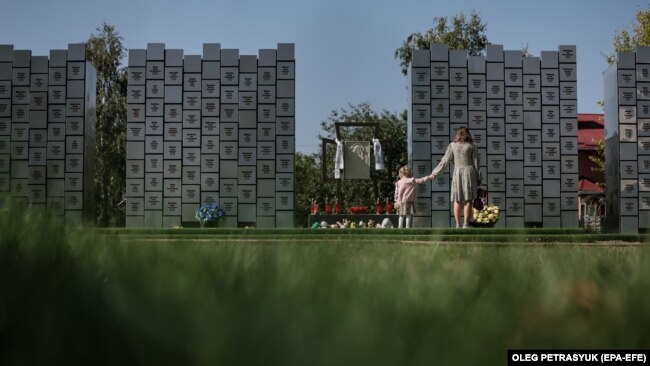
(459, 33)
(309, 186)
(599, 157)
(105, 52)
(625, 40)
(309, 172)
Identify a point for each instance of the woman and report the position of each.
(467, 173)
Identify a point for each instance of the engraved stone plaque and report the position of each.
(569, 164)
(421, 132)
(514, 207)
(228, 187)
(514, 95)
(230, 76)
(496, 182)
(629, 188)
(495, 108)
(74, 163)
(229, 113)
(56, 169)
(191, 156)
(192, 119)
(531, 83)
(568, 108)
(191, 174)
(476, 119)
(568, 90)
(267, 76)
(532, 157)
(496, 127)
(514, 114)
(532, 101)
(629, 206)
(551, 169)
(569, 183)
(209, 163)
(155, 70)
(191, 100)
(210, 125)
(284, 201)
(285, 70)
(550, 114)
(533, 175)
(513, 77)
(266, 113)
(496, 163)
(209, 144)
(153, 182)
(420, 76)
(552, 206)
(265, 168)
(514, 150)
(568, 72)
(172, 187)
(191, 194)
(228, 150)
(550, 77)
(247, 156)
(135, 188)
(458, 114)
(284, 164)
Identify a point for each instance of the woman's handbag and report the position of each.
(481, 200)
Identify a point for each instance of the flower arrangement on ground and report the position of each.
(486, 217)
(209, 215)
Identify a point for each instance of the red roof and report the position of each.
(591, 128)
(587, 186)
(592, 117)
(588, 137)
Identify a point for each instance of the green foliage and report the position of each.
(309, 185)
(459, 33)
(392, 128)
(74, 296)
(626, 40)
(105, 51)
(599, 158)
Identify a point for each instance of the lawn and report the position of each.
(301, 297)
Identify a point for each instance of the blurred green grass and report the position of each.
(77, 296)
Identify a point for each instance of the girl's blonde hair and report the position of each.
(463, 135)
(405, 171)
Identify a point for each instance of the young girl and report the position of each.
(405, 195)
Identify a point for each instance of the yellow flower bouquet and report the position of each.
(486, 217)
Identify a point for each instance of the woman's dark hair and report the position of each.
(463, 135)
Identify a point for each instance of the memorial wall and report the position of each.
(212, 128)
(47, 130)
(522, 114)
(627, 142)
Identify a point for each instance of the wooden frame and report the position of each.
(326, 141)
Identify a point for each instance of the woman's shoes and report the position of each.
(465, 226)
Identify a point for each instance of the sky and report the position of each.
(344, 49)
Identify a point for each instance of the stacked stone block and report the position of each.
(216, 128)
(47, 124)
(516, 108)
(627, 142)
